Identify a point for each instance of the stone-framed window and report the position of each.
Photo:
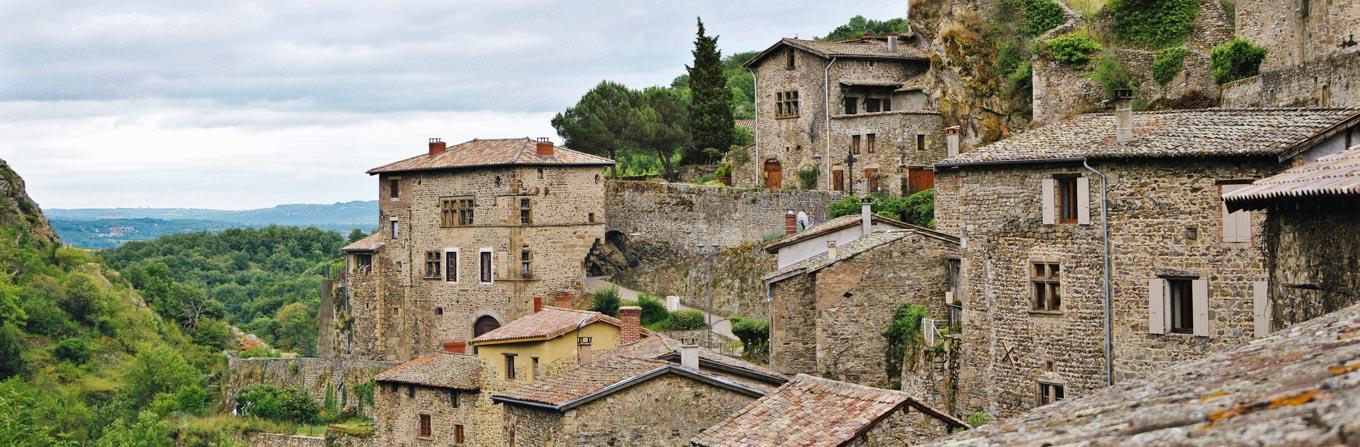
(485, 266)
(870, 143)
(1178, 305)
(1050, 393)
(786, 104)
(855, 144)
(456, 211)
(590, 217)
(851, 104)
(394, 189)
(394, 228)
(1045, 286)
(526, 212)
(1066, 199)
(790, 62)
(451, 265)
(1181, 299)
(509, 366)
(363, 263)
(533, 371)
(526, 264)
(426, 427)
(920, 142)
(458, 434)
(432, 265)
(873, 105)
(453, 398)
(871, 179)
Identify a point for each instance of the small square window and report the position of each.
(1050, 393)
(1046, 285)
(432, 264)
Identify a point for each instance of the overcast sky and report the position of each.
(247, 104)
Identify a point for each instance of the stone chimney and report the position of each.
(831, 250)
(892, 42)
(951, 137)
(790, 222)
(562, 300)
(866, 216)
(455, 346)
(545, 147)
(437, 146)
(583, 351)
(538, 304)
(1123, 115)
(689, 355)
(630, 328)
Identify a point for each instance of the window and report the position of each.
(485, 266)
(540, 173)
(526, 259)
(920, 141)
(425, 426)
(851, 105)
(364, 262)
(887, 104)
(509, 367)
(955, 282)
(432, 269)
(1181, 295)
(534, 371)
(590, 217)
(870, 143)
(410, 391)
(1045, 280)
(1050, 393)
(786, 104)
(872, 105)
(456, 211)
(854, 144)
(1236, 225)
(526, 213)
(394, 189)
(789, 62)
(451, 265)
(1067, 199)
(453, 398)
(458, 434)
(396, 229)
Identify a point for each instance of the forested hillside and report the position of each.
(264, 280)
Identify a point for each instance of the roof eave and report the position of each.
(628, 383)
(380, 170)
(1309, 142)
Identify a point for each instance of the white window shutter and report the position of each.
(1156, 306)
(1083, 200)
(1261, 313)
(1200, 304)
(1236, 226)
(1048, 206)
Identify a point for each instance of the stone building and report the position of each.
(430, 400)
(642, 394)
(1181, 270)
(829, 311)
(1298, 387)
(819, 102)
(467, 235)
(1311, 239)
(1312, 58)
(799, 245)
(815, 412)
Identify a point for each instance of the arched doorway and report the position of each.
(774, 174)
(484, 324)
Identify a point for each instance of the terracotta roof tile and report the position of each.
(592, 377)
(492, 152)
(1336, 175)
(1175, 133)
(372, 242)
(547, 323)
(1300, 386)
(807, 412)
(453, 371)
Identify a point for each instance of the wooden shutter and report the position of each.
(1156, 306)
(1047, 204)
(1083, 200)
(1261, 313)
(1236, 226)
(1200, 304)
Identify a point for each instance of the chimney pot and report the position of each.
(538, 304)
(689, 355)
(831, 250)
(630, 329)
(1123, 115)
(455, 346)
(544, 147)
(437, 146)
(790, 222)
(892, 43)
(951, 137)
(866, 216)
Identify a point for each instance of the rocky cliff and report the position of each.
(17, 209)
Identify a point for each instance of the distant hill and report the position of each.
(111, 227)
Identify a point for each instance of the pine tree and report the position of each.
(710, 113)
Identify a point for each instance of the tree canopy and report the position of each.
(710, 108)
(859, 25)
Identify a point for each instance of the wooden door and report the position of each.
(919, 179)
(774, 175)
(838, 180)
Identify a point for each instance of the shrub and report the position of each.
(977, 418)
(1111, 74)
(73, 350)
(724, 170)
(277, 404)
(1235, 59)
(1073, 49)
(1167, 63)
(606, 301)
(1041, 16)
(11, 350)
(1155, 23)
(653, 310)
(919, 209)
(916, 209)
(903, 336)
(156, 370)
(807, 177)
(257, 351)
(754, 335)
(686, 320)
(45, 318)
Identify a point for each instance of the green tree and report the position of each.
(11, 350)
(157, 369)
(710, 107)
(858, 25)
(148, 431)
(27, 416)
(659, 124)
(596, 124)
(606, 301)
(297, 328)
(355, 235)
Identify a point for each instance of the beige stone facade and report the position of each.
(403, 409)
(1297, 32)
(845, 93)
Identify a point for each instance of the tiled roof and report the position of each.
(597, 379)
(454, 371)
(1333, 176)
(869, 48)
(661, 347)
(830, 226)
(810, 412)
(847, 251)
(748, 124)
(372, 242)
(544, 324)
(1300, 386)
(493, 152)
(1175, 133)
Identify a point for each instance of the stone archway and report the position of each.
(484, 324)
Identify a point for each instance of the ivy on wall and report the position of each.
(1073, 49)
(1154, 23)
(1167, 64)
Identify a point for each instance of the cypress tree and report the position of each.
(710, 112)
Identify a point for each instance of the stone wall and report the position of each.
(793, 347)
(282, 440)
(1333, 81)
(1061, 92)
(320, 378)
(905, 426)
(1297, 32)
(1314, 260)
(735, 274)
(682, 216)
(933, 376)
(400, 406)
(1166, 218)
(664, 411)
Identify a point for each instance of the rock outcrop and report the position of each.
(17, 209)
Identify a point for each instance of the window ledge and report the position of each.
(786, 117)
(1047, 313)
